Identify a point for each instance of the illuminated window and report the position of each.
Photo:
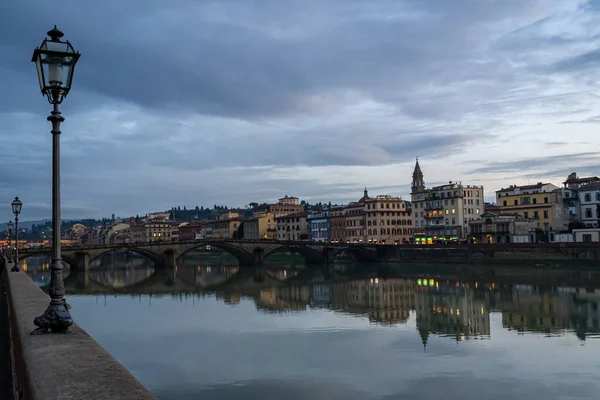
(453, 211)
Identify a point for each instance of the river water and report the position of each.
(291, 332)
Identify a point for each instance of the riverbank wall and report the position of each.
(543, 254)
(59, 366)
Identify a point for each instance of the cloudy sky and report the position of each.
(194, 102)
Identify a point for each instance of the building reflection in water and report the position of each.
(552, 310)
(455, 309)
(452, 309)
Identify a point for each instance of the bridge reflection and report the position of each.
(447, 305)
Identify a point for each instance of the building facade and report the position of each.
(222, 228)
(152, 230)
(500, 228)
(589, 197)
(292, 227)
(542, 202)
(388, 220)
(260, 227)
(289, 200)
(318, 226)
(337, 225)
(443, 213)
(354, 212)
(287, 205)
(571, 195)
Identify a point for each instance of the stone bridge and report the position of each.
(247, 252)
(254, 252)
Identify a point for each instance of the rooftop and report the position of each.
(590, 186)
(296, 215)
(538, 185)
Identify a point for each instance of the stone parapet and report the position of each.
(60, 366)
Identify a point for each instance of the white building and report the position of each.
(443, 213)
(591, 235)
(318, 227)
(589, 196)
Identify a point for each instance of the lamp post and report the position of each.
(55, 62)
(16, 209)
(9, 226)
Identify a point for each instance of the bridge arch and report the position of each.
(311, 256)
(243, 257)
(358, 253)
(71, 262)
(157, 259)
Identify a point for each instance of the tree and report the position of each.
(253, 205)
(197, 208)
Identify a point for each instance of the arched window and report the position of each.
(369, 232)
(393, 231)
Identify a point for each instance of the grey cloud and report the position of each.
(531, 163)
(173, 102)
(590, 120)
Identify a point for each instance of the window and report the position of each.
(516, 202)
(546, 199)
(534, 200)
(586, 238)
(526, 214)
(587, 197)
(588, 213)
(536, 214)
(504, 203)
(447, 212)
(545, 214)
(454, 211)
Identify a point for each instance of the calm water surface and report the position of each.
(223, 332)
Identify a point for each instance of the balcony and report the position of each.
(434, 216)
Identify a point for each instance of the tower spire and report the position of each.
(418, 184)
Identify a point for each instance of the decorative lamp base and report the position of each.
(56, 318)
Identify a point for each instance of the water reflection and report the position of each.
(458, 309)
(218, 331)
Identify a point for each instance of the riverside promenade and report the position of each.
(56, 366)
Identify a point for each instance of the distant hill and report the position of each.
(23, 224)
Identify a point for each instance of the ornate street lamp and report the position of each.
(55, 62)
(16, 209)
(9, 226)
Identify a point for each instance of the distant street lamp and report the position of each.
(16, 209)
(10, 226)
(55, 62)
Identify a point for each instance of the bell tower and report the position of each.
(418, 184)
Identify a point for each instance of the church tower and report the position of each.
(418, 184)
